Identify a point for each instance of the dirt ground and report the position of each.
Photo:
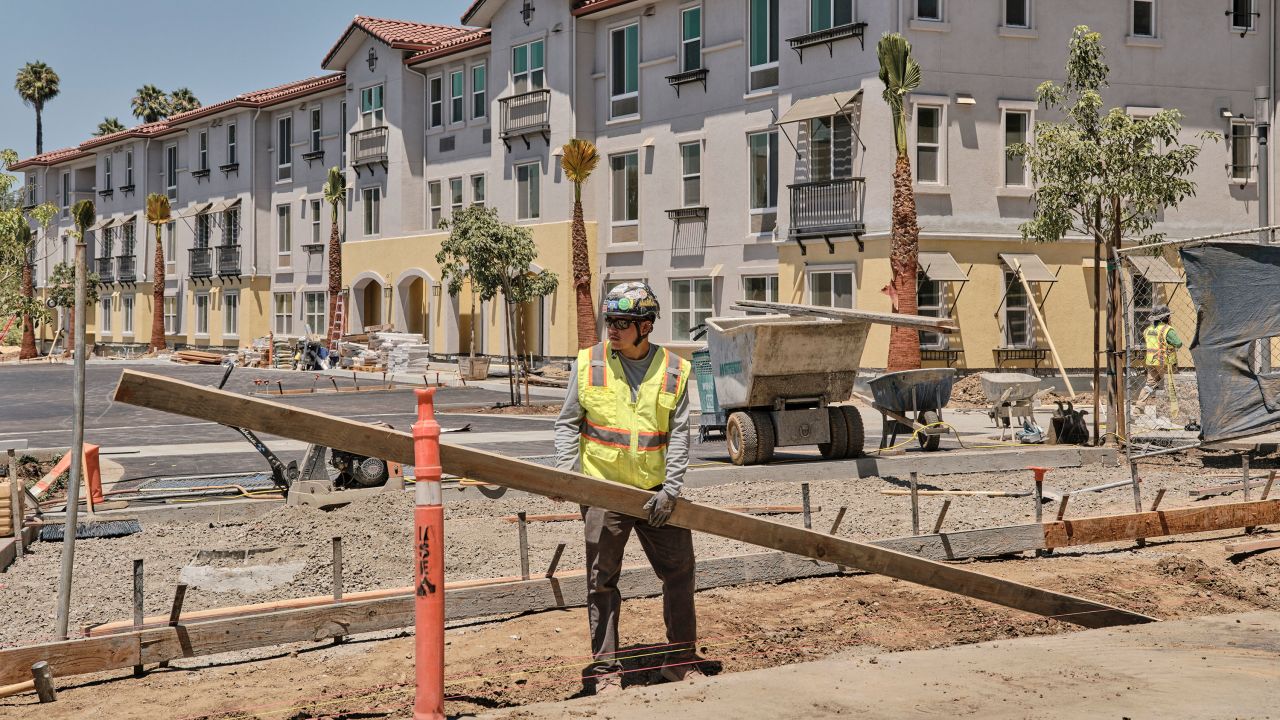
(538, 657)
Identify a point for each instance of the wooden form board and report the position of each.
(251, 627)
(182, 398)
(1253, 546)
(921, 322)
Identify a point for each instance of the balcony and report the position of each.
(201, 262)
(126, 268)
(828, 37)
(105, 270)
(826, 209)
(228, 260)
(526, 114)
(369, 147)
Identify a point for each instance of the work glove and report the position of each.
(660, 507)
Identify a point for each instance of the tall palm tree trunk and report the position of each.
(28, 328)
(157, 294)
(39, 129)
(335, 274)
(586, 306)
(904, 343)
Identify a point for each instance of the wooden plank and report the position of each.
(745, 509)
(1253, 546)
(1180, 521)
(176, 396)
(921, 322)
(1044, 326)
(985, 542)
(70, 657)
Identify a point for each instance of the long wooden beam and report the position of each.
(183, 398)
(921, 322)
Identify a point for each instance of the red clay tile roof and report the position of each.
(53, 157)
(456, 44)
(581, 7)
(399, 34)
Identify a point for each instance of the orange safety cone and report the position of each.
(428, 533)
(93, 473)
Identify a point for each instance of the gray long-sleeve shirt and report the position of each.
(569, 424)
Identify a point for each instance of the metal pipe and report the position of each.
(804, 504)
(62, 615)
(1191, 241)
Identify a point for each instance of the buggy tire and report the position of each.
(929, 442)
(766, 436)
(741, 439)
(839, 444)
(855, 432)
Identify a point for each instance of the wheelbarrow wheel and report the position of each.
(839, 445)
(766, 437)
(856, 434)
(928, 441)
(741, 439)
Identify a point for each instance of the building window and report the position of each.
(1144, 300)
(372, 211)
(692, 302)
(691, 39)
(66, 190)
(1018, 331)
(1242, 14)
(1144, 18)
(171, 240)
(342, 134)
(831, 288)
(624, 71)
(928, 144)
(434, 202)
(371, 114)
(203, 227)
(204, 150)
(106, 172)
(129, 243)
(1017, 13)
(171, 171)
(826, 14)
(315, 222)
(456, 101)
(455, 195)
(830, 148)
(128, 169)
(931, 302)
(763, 149)
(104, 321)
(170, 315)
(1016, 123)
(230, 314)
(231, 226)
(315, 130)
(108, 239)
(528, 67)
(477, 189)
(479, 92)
(284, 148)
(1241, 151)
(436, 110)
(31, 189)
(314, 308)
(126, 314)
(762, 288)
(232, 157)
(929, 10)
(284, 313)
(763, 45)
(691, 174)
(284, 231)
(202, 314)
(625, 174)
(528, 200)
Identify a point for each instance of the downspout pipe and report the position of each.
(253, 179)
(1268, 202)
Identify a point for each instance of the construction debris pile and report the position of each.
(386, 352)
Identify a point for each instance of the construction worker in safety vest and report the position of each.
(1162, 343)
(626, 419)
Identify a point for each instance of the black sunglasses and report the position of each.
(620, 323)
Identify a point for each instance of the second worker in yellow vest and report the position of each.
(1162, 343)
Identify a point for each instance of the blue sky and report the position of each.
(104, 51)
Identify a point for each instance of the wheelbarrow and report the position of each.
(912, 401)
(1010, 395)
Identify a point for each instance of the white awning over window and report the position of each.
(820, 106)
(194, 210)
(941, 267)
(1154, 269)
(103, 223)
(1033, 268)
(225, 205)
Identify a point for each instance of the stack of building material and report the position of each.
(354, 355)
(394, 350)
(196, 357)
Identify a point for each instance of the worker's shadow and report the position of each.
(642, 666)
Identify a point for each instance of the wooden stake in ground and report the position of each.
(63, 611)
(42, 676)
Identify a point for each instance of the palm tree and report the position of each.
(158, 217)
(37, 84)
(901, 74)
(108, 126)
(579, 159)
(335, 193)
(182, 100)
(150, 104)
(24, 237)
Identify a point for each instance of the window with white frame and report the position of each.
(203, 150)
(31, 188)
(457, 100)
(1242, 14)
(691, 39)
(477, 189)
(1241, 150)
(126, 315)
(830, 148)
(831, 288)
(763, 149)
(1017, 124)
(342, 134)
(1018, 329)
(624, 171)
(1142, 18)
(1017, 13)
(231, 227)
(202, 314)
(314, 309)
(204, 227)
(231, 313)
(1144, 300)
(528, 71)
(624, 71)
(479, 91)
(171, 240)
(283, 313)
(233, 156)
(931, 301)
(528, 191)
(692, 302)
(315, 129)
(104, 317)
(284, 148)
(171, 171)
(171, 315)
(106, 172)
(691, 174)
(284, 231)
(435, 202)
(435, 102)
(762, 44)
(108, 240)
(371, 113)
(372, 211)
(455, 195)
(316, 237)
(128, 240)
(826, 14)
(128, 168)
(762, 288)
(928, 144)
(929, 10)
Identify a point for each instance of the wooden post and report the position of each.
(915, 504)
(524, 545)
(337, 569)
(555, 560)
(839, 519)
(1156, 503)
(15, 503)
(43, 678)
(175, 612)
(1271, 478)
(62, 613)
(804, 505)
(1244, 472)
(1062, 507)
(1031, 300)
(942, 514)
(137, 605)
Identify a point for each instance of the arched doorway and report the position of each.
(366, 295)
(413, 311)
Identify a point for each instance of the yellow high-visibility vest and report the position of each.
(621, 440)
(1158, 350)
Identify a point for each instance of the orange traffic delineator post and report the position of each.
(428, 533)
(93, 473)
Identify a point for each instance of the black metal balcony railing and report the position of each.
(201, 262)
(369, 146)
(105, 270)
(126, 268)
(827, 208)
(526, 114)
(228, 259)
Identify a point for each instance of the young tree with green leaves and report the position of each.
(17, 295)
(494, 258)
(108, 126)
(579, 159)
(43, 215)
(157, 217)
(1105, 175)
(37, 84)
(335, 193)
(901, 75)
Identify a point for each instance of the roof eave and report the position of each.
(427, 56)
